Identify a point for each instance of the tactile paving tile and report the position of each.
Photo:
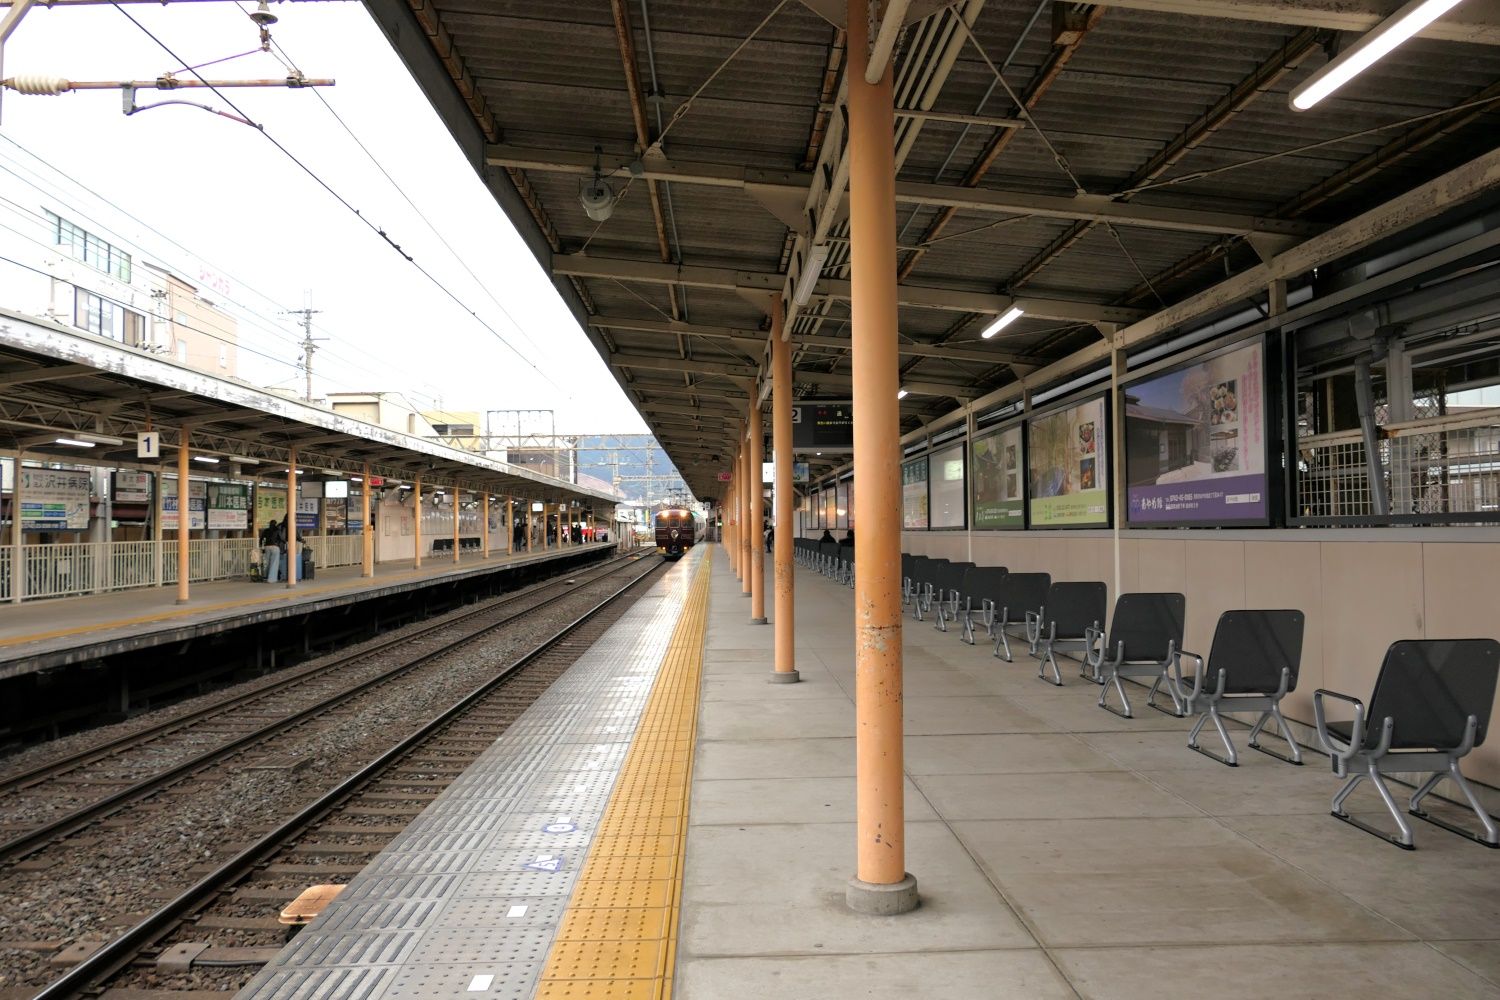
(512, 981)
(454, 887)
(325, 984)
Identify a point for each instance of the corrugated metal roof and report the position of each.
(551, 78)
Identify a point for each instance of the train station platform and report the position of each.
(39, 635)
(1060, 851)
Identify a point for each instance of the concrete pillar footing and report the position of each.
(758, 621)
(183, 600)
(880, 900)
(783, 677)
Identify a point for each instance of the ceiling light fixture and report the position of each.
(206, 458)
(1374, 45)
(596, 196)
(1010, 316)
(901, 393)
(812, 270)
(101, 439)
(75, 443)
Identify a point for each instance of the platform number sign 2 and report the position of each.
(148, 444)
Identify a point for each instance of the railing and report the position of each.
(1440, 470)
(337, 550)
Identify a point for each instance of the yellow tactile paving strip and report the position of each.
(618, 937)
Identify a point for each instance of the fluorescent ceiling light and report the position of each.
(1375, 45)
(812, 269)
(241, 459)
(1011, 315)
(206, 458)
(74, 442)
(101, 439)
(901, 393)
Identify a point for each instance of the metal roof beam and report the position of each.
(1476, 21)
(762, 282)
(665, 364)
(46, 374)
(757, 340)
(779, 185)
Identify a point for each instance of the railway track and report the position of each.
(288, 702)
(388, 790)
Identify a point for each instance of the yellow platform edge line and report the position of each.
(655, 773)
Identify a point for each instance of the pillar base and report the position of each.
(878, 900)
(758, 621)
(183, 600)
(783, 677)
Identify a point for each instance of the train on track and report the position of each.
(677, 530)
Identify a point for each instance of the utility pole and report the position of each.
(309, 343)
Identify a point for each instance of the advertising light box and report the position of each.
(1195, 443)
(914, 494)
(999, 481)
(1067, 469)
(946, 492)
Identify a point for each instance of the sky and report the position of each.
(214, 194)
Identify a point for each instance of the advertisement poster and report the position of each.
(1067, 471)
(54, 500)
(337, 512)
(197, 498)
(914, 494)
(849, 499)
(228, 506)
(270, 505)
(999, 485)
(1195, 443)
(307, 515)
(132, 487)
(816, 508)
(948, 491)
(831, 507)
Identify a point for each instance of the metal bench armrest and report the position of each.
(1175, 678)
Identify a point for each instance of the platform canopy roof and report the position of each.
(1126, 165)
(56, 382)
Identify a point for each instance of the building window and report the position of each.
(223, 356)
(182, 351)
(85, 246)
(103, 318)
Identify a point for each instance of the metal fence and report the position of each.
(1436, 469)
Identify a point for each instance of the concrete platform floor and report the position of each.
(35, 628)
(1060, 851)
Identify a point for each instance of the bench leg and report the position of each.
(1489, 838)
(1002, 641)
(1114, 680)
(1274, 712)
(1402, 840)
(1041, 670)
(1212, 715)
(1178, 709)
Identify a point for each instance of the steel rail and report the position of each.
(119, 952)
(33, 840)
(100, 751)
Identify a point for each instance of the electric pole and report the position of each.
(309, 343)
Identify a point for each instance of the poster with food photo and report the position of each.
(1066, 468)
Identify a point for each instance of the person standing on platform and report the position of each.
(270, 553)
(770, 537)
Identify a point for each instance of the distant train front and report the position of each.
(677, 530)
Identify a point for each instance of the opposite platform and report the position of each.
(40, 634)
(1060, 851)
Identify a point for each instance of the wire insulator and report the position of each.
(34, 83)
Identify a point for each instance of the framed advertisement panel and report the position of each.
(1067, 466)
(849, 499)
(998, 471)
(914, 494)
(1195, 442)
(946, 487)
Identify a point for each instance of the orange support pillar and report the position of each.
(733, 539)
(785, 664)
(417, 530)
(366, 535)
(484, 526)
(453, 506)
(746, 483)
(757, 531)
(292, 565)
(881, 883)
(184, 515)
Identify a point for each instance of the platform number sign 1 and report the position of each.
(148, 444)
